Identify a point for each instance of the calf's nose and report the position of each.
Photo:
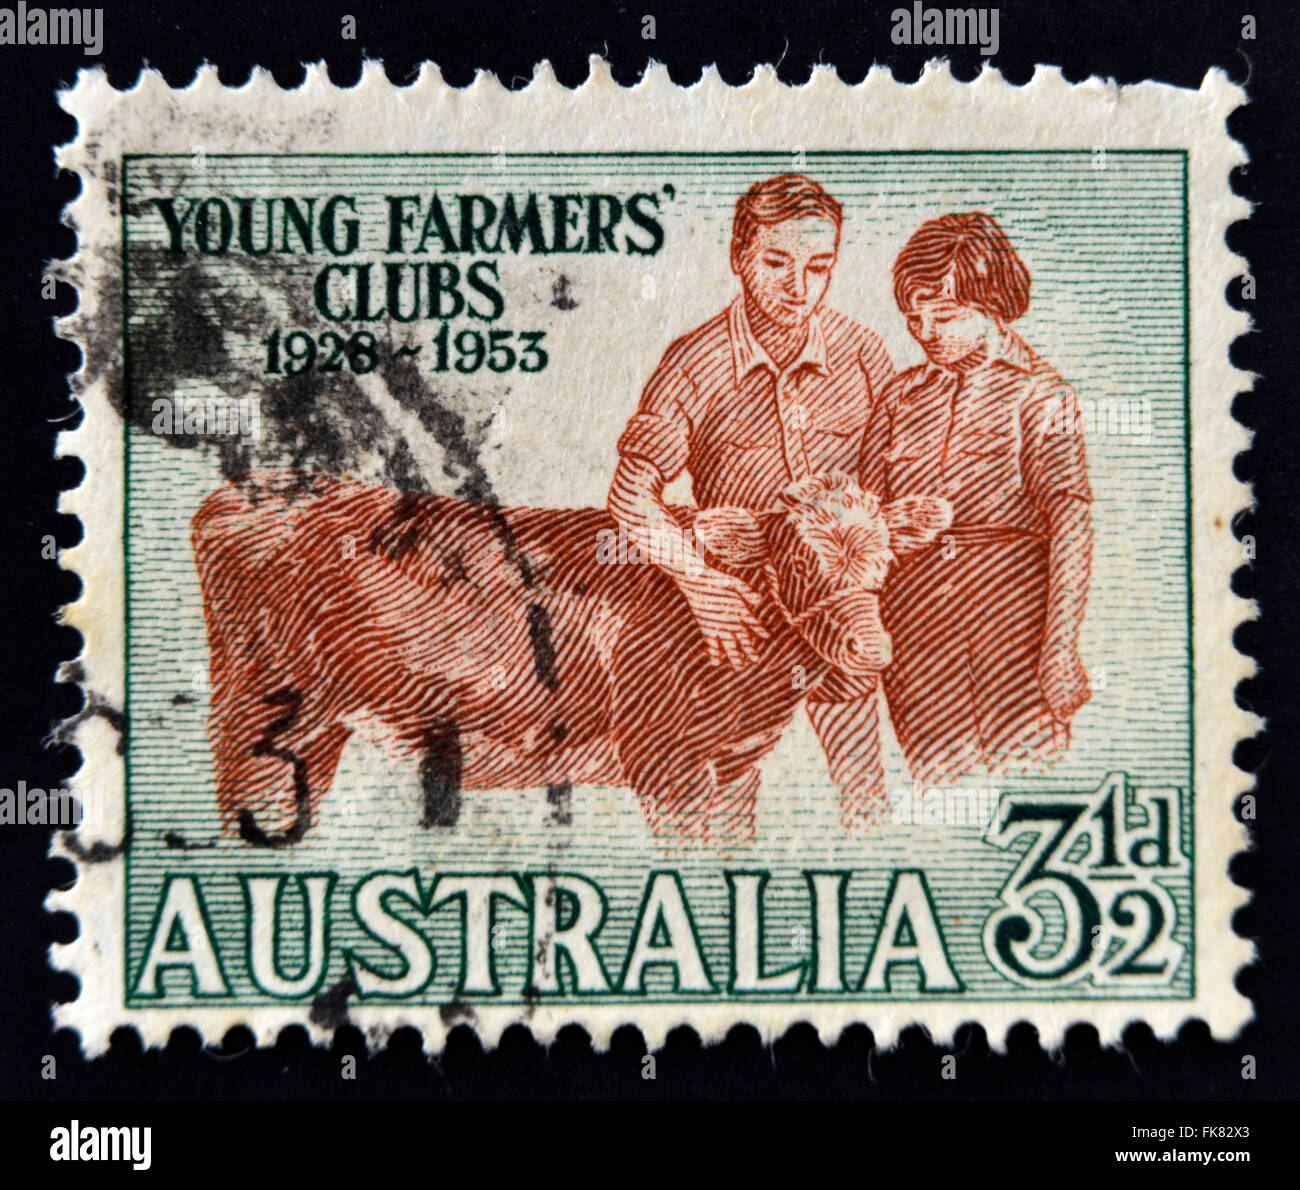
(866, 653)
(851, 636)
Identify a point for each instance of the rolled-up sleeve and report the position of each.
(660, 432)
(1054, 458)
(873, 456)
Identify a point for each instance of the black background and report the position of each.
(1171, 42)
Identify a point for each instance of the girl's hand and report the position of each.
(1062, 679)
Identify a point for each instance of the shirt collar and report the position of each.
(1009, 349)
(747, 353)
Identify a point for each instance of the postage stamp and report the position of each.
(654, 556)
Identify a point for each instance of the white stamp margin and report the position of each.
(935, 112)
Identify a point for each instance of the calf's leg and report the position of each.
(441, 769)
(850, 733)
(312, 763)
(273, 764)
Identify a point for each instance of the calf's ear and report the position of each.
(915, 521)
(733, 536)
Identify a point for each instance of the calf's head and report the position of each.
(824, 554)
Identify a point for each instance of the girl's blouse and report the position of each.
(997, 442)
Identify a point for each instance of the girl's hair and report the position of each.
(976, 253)
(786, 196)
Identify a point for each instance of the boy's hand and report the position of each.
(725, 609)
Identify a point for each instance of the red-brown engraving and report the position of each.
(986, 621)
(499, 647)
(512, 648)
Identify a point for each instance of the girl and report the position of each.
(985, 620)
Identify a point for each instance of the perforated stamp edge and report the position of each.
(880, 113)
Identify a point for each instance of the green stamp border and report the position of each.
(615, 999)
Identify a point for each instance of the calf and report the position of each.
(493, 644)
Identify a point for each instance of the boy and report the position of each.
(772, 389)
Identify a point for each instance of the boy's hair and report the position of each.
(976, 253)
(786, 196)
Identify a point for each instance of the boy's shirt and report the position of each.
(718, 408)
